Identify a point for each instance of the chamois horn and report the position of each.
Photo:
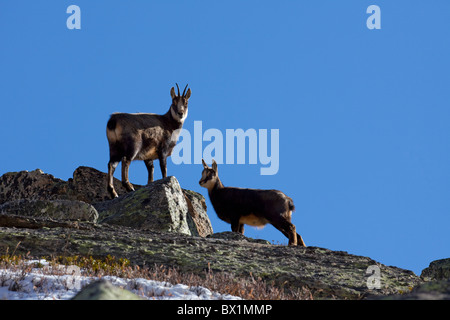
(185, 89)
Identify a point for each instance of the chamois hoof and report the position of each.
(128, 186)
(300, 241)
(112, 193)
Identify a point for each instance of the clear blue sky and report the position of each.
(363, 114)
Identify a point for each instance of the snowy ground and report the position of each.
(44, 284)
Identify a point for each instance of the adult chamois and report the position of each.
(253, 207)
(144, 136)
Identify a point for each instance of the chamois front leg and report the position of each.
(163, 165)
(150, 169)
(111, 168)
(125, 182)
(237, 227)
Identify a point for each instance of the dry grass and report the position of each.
(249, 288)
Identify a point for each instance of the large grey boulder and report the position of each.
(104, 290)
(160, 206)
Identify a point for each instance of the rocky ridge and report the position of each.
(166, 225)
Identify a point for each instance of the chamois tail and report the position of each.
(111, 125)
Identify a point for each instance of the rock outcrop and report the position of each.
(161, 206)
(327, 273)
(429, 290)
(67, 210)
(163, 224)
(34, 185)
(437, 270)
(87, 185)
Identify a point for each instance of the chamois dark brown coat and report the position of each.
(253, 207)
(144, 136)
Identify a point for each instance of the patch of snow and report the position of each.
(38, 284)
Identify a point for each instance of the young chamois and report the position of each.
(144, 136)
(253, 207)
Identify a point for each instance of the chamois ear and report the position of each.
(188, 94)
(204, 164)
(172, 93)
(214, 165)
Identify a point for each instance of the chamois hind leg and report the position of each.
(286, 228)
(300, 241)
(150, 169)
(125, 182)
(111, 168)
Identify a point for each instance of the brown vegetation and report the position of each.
(249, 288)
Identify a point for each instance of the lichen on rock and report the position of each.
(161, 206)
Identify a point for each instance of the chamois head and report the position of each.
(209, 175)
(179, 107)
